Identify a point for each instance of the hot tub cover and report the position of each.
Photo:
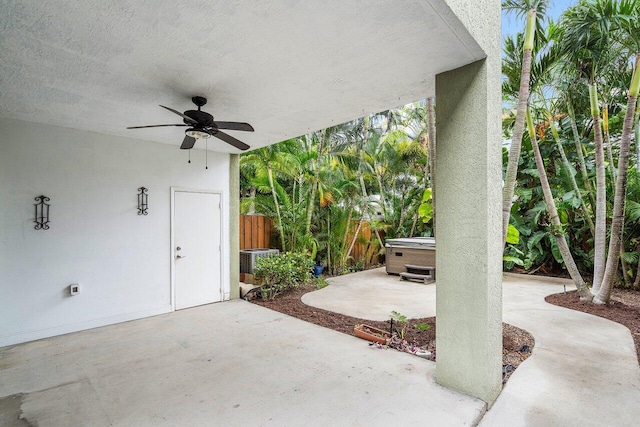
(425, 242)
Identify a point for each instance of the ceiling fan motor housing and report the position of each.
(202, 119)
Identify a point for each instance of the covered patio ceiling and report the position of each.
(286, 67)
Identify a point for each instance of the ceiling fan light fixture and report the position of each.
(197, 134)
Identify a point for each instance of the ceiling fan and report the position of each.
(201, 125)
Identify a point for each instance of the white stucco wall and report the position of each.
(121, 260)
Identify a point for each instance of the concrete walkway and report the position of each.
(236, 363)
(583, 370)
(226, 364)
(373, 294)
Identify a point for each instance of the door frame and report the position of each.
(172, 251)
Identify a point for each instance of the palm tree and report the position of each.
(637, 139)
(534, 11)
(592, 30)
(318, 144)
(553, 215)
(567, 84)
(361, 140)
(617, 221)
(584, 39)
(263, 162)
(565, 161)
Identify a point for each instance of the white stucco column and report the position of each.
(234, 225)
(468, 177)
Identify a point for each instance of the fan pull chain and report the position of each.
(189, 156)
(206, 154)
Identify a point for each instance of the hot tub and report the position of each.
(414, 250)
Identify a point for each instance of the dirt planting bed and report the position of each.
(517, 343)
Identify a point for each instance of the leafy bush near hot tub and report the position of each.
(279, 273)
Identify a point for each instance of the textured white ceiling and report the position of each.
(286, 67)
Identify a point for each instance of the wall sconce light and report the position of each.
(42, 213)
(142, 201)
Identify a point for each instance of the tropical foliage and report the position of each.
(324, 187)
(571, 159)
(583, 91)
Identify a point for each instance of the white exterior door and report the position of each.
(197, 251)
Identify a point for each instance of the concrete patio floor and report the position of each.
(373, 294)
(232, 363)
(236, 363)
(583, 370)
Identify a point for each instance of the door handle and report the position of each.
(180, 256)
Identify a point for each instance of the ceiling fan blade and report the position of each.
(180, 114)
(153, 126)
(235, 126)
(231, 140)
(187, 143)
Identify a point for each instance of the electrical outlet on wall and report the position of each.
(74, 289)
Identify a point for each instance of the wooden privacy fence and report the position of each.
(257, 231)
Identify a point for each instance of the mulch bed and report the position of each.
(517, 343)
(624, 308)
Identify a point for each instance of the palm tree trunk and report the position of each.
(353, 241)
(402, 208)
(277, 207)
(581, 163)
(637, 138)
(574, 184)
(569, 262)
(518, 128)
(329, 260)
(431, 123)
(379, 239)
(383, 200)
(314, 183)
(607, 142)
(363, 187)
(617, 221)
(636, 282)
(625, 268)
(426, 169)
(414, 224)
(312, 203)
(294, 220)
(346, 235)
(600, 238)
(355, 236)
(363, 190)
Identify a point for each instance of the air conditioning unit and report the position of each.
(248, 258)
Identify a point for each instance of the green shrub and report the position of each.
(320, 282)
(279, 273)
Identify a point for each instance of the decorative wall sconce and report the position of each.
(143, 201)
(42, 213)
